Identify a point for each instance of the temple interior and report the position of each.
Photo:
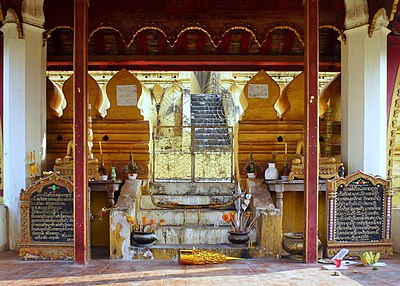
(237, 126)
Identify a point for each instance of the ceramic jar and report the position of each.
(272, 172)
(132, 176)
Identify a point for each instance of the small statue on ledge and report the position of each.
(66, 165)
(327, 165)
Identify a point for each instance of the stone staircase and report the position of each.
(202, 229)
(208, 118)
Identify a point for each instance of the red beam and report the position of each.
(81, 236)
(214, 62)
(311, 131)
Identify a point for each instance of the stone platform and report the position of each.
(192, 220)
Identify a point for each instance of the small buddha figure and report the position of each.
(69, 157)
(327, 165)
(299, 158)
(65, 165)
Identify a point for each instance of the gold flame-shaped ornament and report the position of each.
(199, 257)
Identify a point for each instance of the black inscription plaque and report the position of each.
(51, 214)
(359, 212)
(359, 209)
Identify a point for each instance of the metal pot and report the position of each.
(238, 237)
(143, 239)
(293, 243)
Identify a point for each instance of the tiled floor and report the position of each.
(250, 272)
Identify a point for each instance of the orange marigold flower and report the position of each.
(232, 215)
(161, 222)
(130, 219)
(144, 220)
(152, 222)
(225, 217)
(247, 215)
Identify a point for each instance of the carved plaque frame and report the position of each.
(38, 250)
(356, 182)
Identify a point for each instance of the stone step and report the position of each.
(205, 106)
(206, 99)
(191, 217)
(212, 142)
(211, 131)
(204, 188)
(192, 235)
(206, 110)
(221, 135)
(195, 234)
(147, 204)
(162, 251)
(206, 116)
(206, 123)
(213, 148)
(204, 113)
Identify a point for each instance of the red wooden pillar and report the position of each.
(311, 131)
(80, 131)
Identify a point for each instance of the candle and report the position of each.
(101, 151)
(30, 155)
(34, 155)
(285, 148)
(329, 103)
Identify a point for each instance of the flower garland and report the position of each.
(101, 214)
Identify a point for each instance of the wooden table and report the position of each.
(281, 186)
(109, 186)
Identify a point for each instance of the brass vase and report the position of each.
(293, 243)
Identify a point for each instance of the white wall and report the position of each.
(3, 228)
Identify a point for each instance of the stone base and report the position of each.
(326, 171)
(55, 251)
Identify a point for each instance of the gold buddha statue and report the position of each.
(65, 166)
(327, 165)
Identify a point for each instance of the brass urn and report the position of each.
(293, 243)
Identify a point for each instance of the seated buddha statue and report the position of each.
(299, 158)
(327, 165)
(66, 165)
